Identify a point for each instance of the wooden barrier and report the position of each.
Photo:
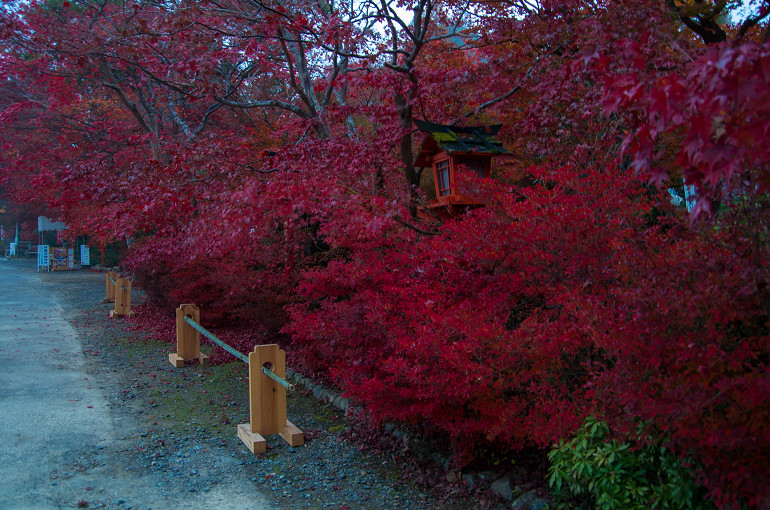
(188, 340)
(122, 298)
(267, 400)
(111, 280)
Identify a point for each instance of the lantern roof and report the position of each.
(458, 139)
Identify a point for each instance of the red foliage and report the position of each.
(486, 330)
(692, 351)
(577, 290)
(559, 300)
(719, 112)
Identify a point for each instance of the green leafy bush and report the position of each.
(593, 471)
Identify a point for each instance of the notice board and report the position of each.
(61, 259)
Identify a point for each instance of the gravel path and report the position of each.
(166, 437)
(64, 442)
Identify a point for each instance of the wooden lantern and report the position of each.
(445, 150)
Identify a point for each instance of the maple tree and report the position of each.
(258, 157)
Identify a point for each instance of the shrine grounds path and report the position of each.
(92, 415)
(62, 444)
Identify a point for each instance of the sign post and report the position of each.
(267, 400)
(85, 255)
(122, 298)
(61, 259)
(188, 339)
(43, 259)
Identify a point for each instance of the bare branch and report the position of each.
(272, 103)
(749, 23)
(130, 105)
(257, 170)
(705, 26)
(416, 229)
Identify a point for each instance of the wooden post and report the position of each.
(112, 276)
(122, 298)
(267, 401)
(188, 340)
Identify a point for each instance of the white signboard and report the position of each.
(43, 259)
(85, 255)
(12, 251)
(44, 223)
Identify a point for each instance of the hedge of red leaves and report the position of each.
(579, 294)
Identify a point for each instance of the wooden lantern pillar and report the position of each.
(267, 400)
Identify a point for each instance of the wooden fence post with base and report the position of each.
(267, 401)
(110, 280)
(122, 298)
(188, 340)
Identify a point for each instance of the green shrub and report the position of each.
(593, 471)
